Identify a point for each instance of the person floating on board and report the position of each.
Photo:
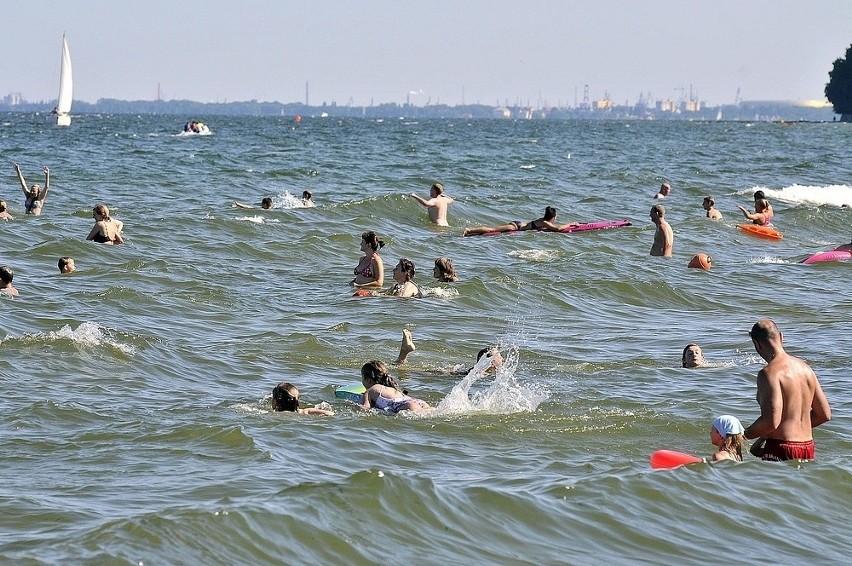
(791, 400)
(761, 215)
(543, 224)
(712, 213)
(33, 196)
(726, 434)
(844, 248)
(384, 393)
(285, 397)
(665, 189)
(663, 236)
(437, 204)
(6, 277)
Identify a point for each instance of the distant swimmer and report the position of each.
(33, 196)
(6, 277)
(663, 236)
(545, 224)
(437, 204)
(66, 265)
(285, 397)
(692, 356)
(708, 205)
(106, 230)
(791, 400)
(265, 204)
(665, 189)
(308, 199)
(4, 211)
(761, 215)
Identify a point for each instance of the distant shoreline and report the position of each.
(750, 111)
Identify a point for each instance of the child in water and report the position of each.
(285, 397)
(383, 391)
(727, 435)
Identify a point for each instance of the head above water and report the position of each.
(375, 372)
(6, 274)
(266, 203)
(101, 210)
(285, 397)
(765, 332)
(372, 240)
(665, 189)
(406, 267)
(549, 213)
(307, 195)
(437, 189)
(66, 264)
(758, 195)
(727, 425)
(445, 270)
(709, 202)
(692, 356)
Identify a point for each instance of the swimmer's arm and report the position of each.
(820, 409)
(366, 403)
(749, 215)
(21, 179)
(240, 205)
(43, 195)
(549, 226)
(770, 400)
(95, 230)
(316, 412)
(421, 200)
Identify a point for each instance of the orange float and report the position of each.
(761, 231)
(701, 261)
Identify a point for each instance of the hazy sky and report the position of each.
(433, 51)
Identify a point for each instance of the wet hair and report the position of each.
(439, 188)
(377, 372)
(63, 262)
(101, 210)
(660, 209)
(710, 199)
(266, 202)
(759, 195)
(446, 269)
(407, 267)
(6, 274)
(481, 353)
(2, 206)
(372, 240)
(306, 195)
(285, 397)
(761, 205)
(664, 186)
(549, 213)
(685, 350)
(734, 444)
(764, 331)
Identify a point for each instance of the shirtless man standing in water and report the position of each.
(790, 397)
(437, 204)
(664, 236)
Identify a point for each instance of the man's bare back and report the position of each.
(663, 236)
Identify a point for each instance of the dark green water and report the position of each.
(135, 419)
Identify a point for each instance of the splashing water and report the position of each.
(504, 396)
(286, 200)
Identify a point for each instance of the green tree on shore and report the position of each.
(838, 91)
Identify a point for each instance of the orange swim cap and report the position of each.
(702, 261)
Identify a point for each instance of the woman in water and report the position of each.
(384, 393)
(761, 215)
(285, 397)
(726, 434)
(444, 270)
(106, 230)
(370, 271)
(692, 356)
(33, 196)
(545, 224)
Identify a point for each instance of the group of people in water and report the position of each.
(789, 394)
(106, 229)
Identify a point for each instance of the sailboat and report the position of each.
(63, 106)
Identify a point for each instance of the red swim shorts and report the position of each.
(778, 450)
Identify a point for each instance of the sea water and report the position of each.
(136, 421)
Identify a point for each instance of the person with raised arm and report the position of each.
(33, 196)
(437, 204)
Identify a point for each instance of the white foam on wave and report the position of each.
(527, 166)
(440, 292)
(810, 195)
(88, 334)
(257, 219)
(504, 396)
(286, 200)
(768, 259)
(535, 255)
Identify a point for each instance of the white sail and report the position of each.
(66, 89)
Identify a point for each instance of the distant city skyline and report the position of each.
(440, 52)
